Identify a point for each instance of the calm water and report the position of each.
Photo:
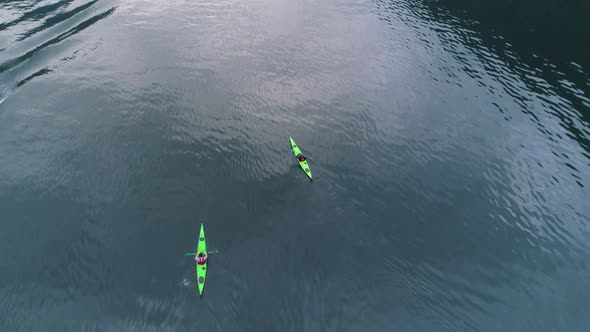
(449, 142)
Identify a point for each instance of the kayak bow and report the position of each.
(303, 164)
(201, 269)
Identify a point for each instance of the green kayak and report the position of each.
(201, 269)
(303, 164)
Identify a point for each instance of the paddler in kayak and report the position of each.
(201, 258)
(301, 158)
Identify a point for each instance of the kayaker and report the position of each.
(301, 158)
(201, 258)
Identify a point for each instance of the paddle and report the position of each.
(194, 253)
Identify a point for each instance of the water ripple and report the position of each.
(451, 169)
(9, 64)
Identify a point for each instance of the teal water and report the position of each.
(449, 143)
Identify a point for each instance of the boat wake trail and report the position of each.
(4, 93)
(39, 27)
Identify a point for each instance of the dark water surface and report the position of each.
(449, 142)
